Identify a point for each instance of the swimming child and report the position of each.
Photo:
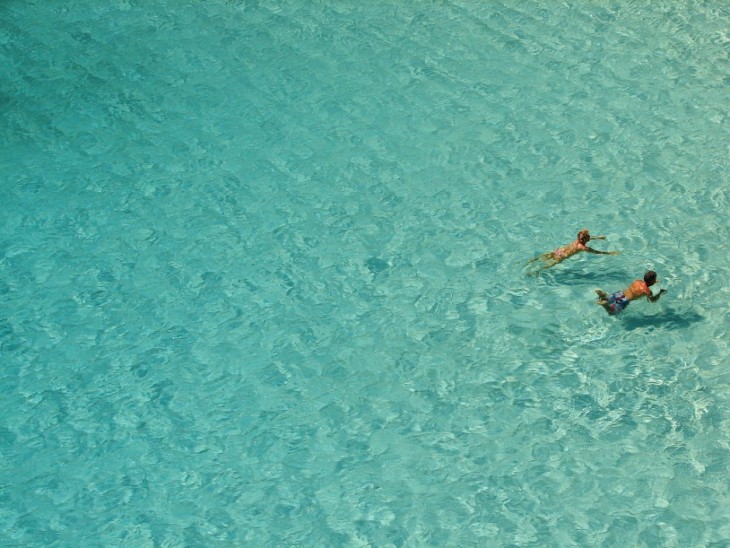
(616, 302)
(552, 258)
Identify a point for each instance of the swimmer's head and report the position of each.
(583, 236)
(650, 277)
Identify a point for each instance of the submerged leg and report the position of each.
(603, 300)
(602, 295)
(550, 260)
(547, 258)
(543, 257)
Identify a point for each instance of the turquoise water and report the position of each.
(261, 268)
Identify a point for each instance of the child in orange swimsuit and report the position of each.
(551, 258)
(616, 302)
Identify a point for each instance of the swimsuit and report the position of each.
(618, 302)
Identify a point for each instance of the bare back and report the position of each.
(637, 289)
(568, 250)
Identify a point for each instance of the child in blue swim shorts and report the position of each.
(616, 302)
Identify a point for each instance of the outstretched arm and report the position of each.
(591, 250)
(654, 298)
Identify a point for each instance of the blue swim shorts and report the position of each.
(618, 302)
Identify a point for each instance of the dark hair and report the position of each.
(650, 277)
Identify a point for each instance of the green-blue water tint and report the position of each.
(261, 268)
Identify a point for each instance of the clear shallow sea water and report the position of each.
(261, 271)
